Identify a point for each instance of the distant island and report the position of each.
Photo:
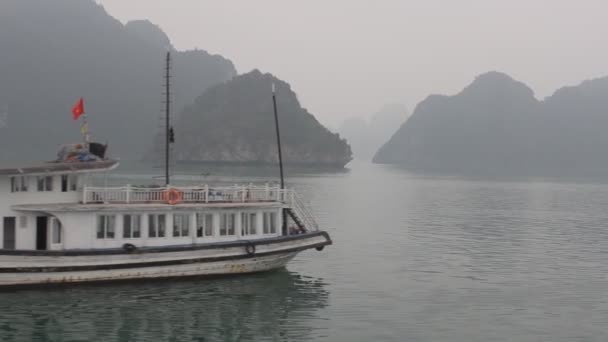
(496, 126)
(233, 122)
(54, 52)
(366, 136)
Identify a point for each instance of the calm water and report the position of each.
(415, 259)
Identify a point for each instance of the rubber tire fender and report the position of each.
(129, 247)
(250, 249)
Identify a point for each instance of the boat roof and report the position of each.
(59, 167)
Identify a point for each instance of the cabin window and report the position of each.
(106, 225)
(19, 184)
(14, 186)
(157, 224)
(227, 224)
(249, 223)
(270, 223)
(9, 234)
(131, 226)
(45, 183)
(181, 225)
(69, 183)
(204, 225)
(56, 233)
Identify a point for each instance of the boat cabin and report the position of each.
(52, 206)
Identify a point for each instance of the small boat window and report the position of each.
(106, 226)
(181, 225)
(45, 183)
(204, 225)
(249, 223)
(227, 224)
(131, 226)
(157, 224)
(19, 184)
(270, 222)
(69, 183)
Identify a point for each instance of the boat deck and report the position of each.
(115, 206)
(191, 194)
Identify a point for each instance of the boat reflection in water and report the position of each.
(272, 306)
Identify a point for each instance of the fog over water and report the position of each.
(484, 218)
(415, 258)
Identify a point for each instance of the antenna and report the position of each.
(168, 128)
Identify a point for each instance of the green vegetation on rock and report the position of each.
(234, 122)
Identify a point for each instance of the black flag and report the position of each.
(171, 135)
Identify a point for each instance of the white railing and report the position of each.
(303, 212)
(201, 194)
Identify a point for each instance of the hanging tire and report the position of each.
(320, 248)
(250, 249)
(129, 247)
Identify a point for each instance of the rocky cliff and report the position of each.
(367, 136)
(497, 126)
(53, 52)
(234, 122)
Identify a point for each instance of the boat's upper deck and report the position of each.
(186, 194)
(175, 198)
(139, 207)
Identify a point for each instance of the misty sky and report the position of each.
(348, 57)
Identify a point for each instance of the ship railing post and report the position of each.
(206, 193)
(84, 194)
(267, 195)
(128, 195)
(243, 194)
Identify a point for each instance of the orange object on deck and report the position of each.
(172, 196)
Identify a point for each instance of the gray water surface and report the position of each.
(416, 258)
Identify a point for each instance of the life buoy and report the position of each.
(129, 247)
(320, 248)
(250, 249)
(172, 196)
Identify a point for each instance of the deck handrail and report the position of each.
(303, 211)
(202, 194)
(190, 194)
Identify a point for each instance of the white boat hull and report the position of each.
(234, 258)
(201, 269)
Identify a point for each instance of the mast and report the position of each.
(84, 129)
(168, 129)
(276, 122)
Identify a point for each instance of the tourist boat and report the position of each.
(57, 227)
